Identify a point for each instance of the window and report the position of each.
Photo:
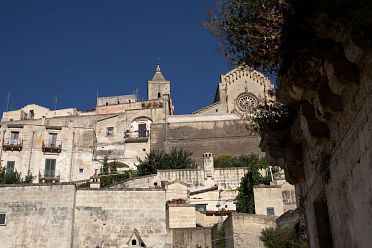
(106, 103)
(109, 131)
(52, 140)
(134, 242)
(159, 95)
(201, 208)
(2, 219)
(81, 170)
(31, 114)
(14, 138)
(14, 135)
(10, 166)
(270, 211)
(142, 130)
(50, 168)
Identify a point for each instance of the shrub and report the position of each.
(283, 238)
(159, 160)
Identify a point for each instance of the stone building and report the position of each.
(239, 91)
(68, 144)
(274, 199)
(173, 208)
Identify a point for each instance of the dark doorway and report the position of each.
(323, 226)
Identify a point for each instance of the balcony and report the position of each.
(12, 144)
(137, 136)
(49, 176)
(53, 147)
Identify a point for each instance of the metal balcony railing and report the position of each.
(47, 176)
(13, 144)
(50, 146)
(137, 136)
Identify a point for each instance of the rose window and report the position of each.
(246, 102)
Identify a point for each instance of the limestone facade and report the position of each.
(244, 230)
(239, 91)
(61, 216)
(175, 208)
(274, 199)
(68, 144)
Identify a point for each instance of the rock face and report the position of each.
(326, 151)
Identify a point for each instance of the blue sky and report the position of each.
(75, 48)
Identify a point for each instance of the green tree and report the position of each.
(224, 162)
(178, 158)
(250, 31)
(14, 177)
(110, 175)
(256, 167)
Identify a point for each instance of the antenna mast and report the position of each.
(7, 101)
(55, 101)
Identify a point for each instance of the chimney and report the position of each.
(95, 181)
(208, 165)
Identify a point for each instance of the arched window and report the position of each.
(134, 242)
(159, 95)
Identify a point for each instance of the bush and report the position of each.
(109, 174)
(284, 238)
(159, 160)
(274, 116)
(224, 162)
(14, 177)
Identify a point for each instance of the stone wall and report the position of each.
(138, 182)
(280, 197)
(181, 215)
(192, 237)
(223, 178)
(223, 137)
(108, 218)
(177, 190)
(290, 219)
(208, 220)
(37, 216)
(61, 216)
(244, 230)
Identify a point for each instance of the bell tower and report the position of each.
(158, 85)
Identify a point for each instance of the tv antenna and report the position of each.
(8, 102)
(55, 101)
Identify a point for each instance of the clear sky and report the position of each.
(74, 48)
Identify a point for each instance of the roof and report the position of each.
(138, 237)
(204, 190)
(158, 76)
